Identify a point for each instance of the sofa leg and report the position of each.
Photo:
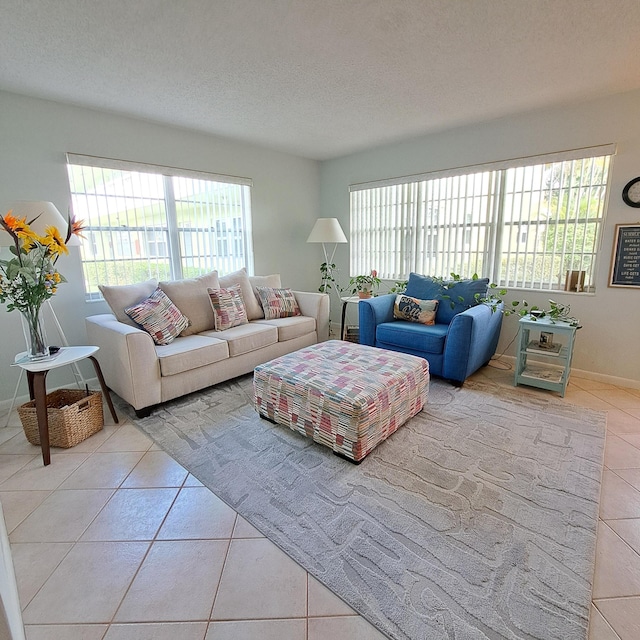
(143, 413)
(457, 383)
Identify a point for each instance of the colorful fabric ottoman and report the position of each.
(347, 396)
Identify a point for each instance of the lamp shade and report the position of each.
(327, 230)
(43, 214)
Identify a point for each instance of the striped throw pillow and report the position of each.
(278, 303)
(159, 317)
(228, 307)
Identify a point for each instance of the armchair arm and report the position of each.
(315, 305)
(371, 313)
(127, 358)
(471, 341)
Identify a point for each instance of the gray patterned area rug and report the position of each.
(476, 519)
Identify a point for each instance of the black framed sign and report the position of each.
(625, 261)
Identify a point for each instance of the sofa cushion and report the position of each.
(159, 317)
(120, 297)
(272, 281)
(278, 303)
(247, 337)
(290, 328)
(461, 294)
(412, 336)
(414, 310)
(190, 296)
(189, 352)
(228, 307)
(251, 304)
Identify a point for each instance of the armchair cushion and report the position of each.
(410, 335)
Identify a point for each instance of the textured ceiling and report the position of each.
(319, 78)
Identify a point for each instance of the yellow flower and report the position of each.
(54, 241)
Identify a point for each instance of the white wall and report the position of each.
(36, 134)
(608, 343)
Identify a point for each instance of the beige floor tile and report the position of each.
(131, 514)
(586, 399)
(162, 590)
(192, 481)
(34, 562)
(591, 385)
(620, 454)
(35, 476)
(127, 438)
(619, 398)
(88, 584)
(17, 505)
(619, 421)
(343, 628)
(618, 499)
(198, 513)
(260, 581)
(62, 517)
(156, 469)
(19, 444)
(12, 463)
(65, 631)
(6, 433)
(95, 441)
(103, 470)
(632, 438)
(599, 628)
(323, 602)
(628, 530)
(617, 571)
(632, 476)
(157, 631)
(623, 614)
(243, 529)
(262, 629)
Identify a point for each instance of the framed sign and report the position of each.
(625, 261)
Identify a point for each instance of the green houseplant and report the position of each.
(365, 285)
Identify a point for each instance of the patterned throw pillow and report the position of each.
(278, 303)
(159, 317)
(228, 307)
(415, 310)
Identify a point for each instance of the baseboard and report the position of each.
(591, 375)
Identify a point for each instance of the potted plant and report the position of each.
(365, 286)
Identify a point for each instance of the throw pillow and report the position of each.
(228, 307)
(278, 303)
(272, 281)
(159, 317)
(119, 297)
(190, 296)
(240, 277)
(415, 310)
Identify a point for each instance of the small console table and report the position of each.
(545, 349)
(36, 375)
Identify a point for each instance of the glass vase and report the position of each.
(34, 334)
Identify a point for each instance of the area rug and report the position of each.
(476, 519)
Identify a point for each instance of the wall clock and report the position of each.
(631, 193)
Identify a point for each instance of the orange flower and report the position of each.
(54, 241)
(76, 227)
(17, 227)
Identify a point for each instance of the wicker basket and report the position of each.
(73, 417)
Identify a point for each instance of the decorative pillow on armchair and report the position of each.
(228, 307)
(278, 303)
(415, 310)
(159, 317)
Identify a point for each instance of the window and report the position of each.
(522, 223)
(145, 221)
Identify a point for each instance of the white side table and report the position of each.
(36, 375)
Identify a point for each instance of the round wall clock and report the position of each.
(631, 193)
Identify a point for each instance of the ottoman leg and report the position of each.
(341, 455)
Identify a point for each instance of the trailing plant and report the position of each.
(328, 279)
(365, 283)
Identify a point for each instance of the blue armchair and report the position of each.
(463, 338)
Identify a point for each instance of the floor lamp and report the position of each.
(327, 231)
(40, 215)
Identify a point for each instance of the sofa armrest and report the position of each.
(371, 313)
(315, 305)
(127, 358)
(471, 341)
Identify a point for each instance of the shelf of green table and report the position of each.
(544, 353)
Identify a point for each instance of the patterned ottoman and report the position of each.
(347, 396)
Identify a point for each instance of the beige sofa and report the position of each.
(146, 374)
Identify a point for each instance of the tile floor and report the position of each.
(116, 541)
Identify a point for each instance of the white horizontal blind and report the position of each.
(521, 226)
(144, 221)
